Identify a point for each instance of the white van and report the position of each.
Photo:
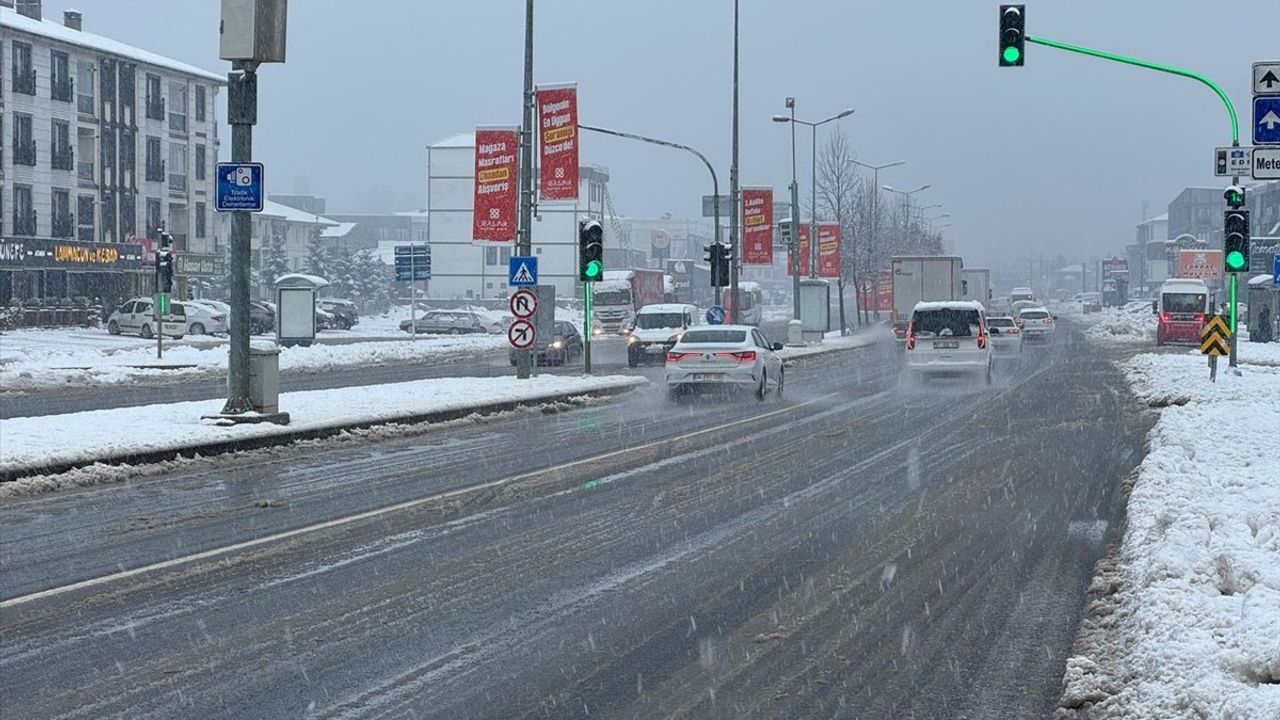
(948, 337)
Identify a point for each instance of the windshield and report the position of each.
(694, 337)
(1033, 314)
(611, 297)
(947, 322)
(1183, 302)
(652, 321)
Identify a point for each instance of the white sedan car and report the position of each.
(724, 355)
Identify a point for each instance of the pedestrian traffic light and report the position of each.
(590, 251)
(1234, 195)
(726, 258)
(164, 264)
(1235, 240)
(1012, 35)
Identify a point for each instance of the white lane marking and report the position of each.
(377, 512)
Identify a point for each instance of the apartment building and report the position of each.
(101, 145)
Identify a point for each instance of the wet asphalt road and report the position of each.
(854, 549)
(609, 357)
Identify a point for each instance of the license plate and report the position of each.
(946, 344)
(707, 376)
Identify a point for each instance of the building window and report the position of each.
(128, 215)
(84, 87)
(84, 218)
(153, 218)
(491, 256)
(60, 157)
(128, 93)
(177, 106)
(155, 103)
(60, 213)
(24, 75)
(128, 155)
(177, 167)
(155, 164)
(60, 85)
(200, 162)
(200, 103)
(24, 211)
(200, 219)
(24, 144)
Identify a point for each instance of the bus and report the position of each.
(1181, 309)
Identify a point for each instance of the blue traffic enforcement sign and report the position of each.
(715, 315)
(1275, 270)
(522, 271)
(1266, 120)
(239, 187)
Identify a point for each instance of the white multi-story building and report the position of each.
(461, 269)
(103, 144)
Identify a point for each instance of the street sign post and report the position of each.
(522, 271)
(522, 335)
(1266, 119)
(1265, 163)
(709, 205)
(1266, 77)
(1215, 341)
(239, 187)
(715, 315)
(523, 304)
(412, 263)
(1232, 161)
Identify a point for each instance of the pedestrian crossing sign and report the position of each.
(522, 271)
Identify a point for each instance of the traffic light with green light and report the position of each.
(1235, 240)
(1012, 35)
(590, 251)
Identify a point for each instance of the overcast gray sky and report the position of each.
(1057, 154)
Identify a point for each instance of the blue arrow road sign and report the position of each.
(522, 271)
(239, 187)
(1266, 120)
(1275, 270)
(715, 315)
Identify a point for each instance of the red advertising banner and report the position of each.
(828, 250)
(877, 292)
(497, 188)
(757, 226)
(558, 142)
(804, 253)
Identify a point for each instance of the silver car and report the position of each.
(725, 356)
(138, 317)
(1006, 337)
(204, 318)
(1036, 323)
(948, 338)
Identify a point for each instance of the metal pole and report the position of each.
(413, 311)
(586, 328)
(875, 225)
(813, 209)
(733, 180)
(795, 222)
(242, 114)
(524, 239)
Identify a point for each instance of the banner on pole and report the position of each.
(829, 250)
(496, 186)
(757, 226)
(804, 253)
(558, 142)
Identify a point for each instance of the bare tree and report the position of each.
(838, 186)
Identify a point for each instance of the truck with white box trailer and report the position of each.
(922, 278)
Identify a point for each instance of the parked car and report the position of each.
(446, 322)
(324, 319)
(262, 318)
(724, 356)
(138, 316)
(948, 338)
(345, 313)
(204, 318)
(564, 348)
(1090, 302)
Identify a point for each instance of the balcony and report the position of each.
(155, 108)
(155, 172)
(84, 171)
(25, 154)
(63, 225)
(62, 89)
(25, 225)
(24, 83)
(62, 159)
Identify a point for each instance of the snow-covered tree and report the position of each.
(275, 261)
(318, 258)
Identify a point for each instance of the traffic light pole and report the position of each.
(1233, 278)
(586, 328)
(524, 238)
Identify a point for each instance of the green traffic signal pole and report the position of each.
(1170, 69)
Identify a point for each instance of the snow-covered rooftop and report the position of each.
(288, 214)
(10, 18)
(458, 140)
(337, 231)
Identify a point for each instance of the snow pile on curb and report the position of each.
(1124, 326)
(832, 342)
(36, 442)
(1188, 622)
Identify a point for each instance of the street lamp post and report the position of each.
(795, 200)
(907, 194)
(875, 216)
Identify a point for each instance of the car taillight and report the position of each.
(1012, 331)
(678, 356)
(900, 331)
(744, 356)
(1166, 317)
(1200, 318)
(911, 339)
(1048, 321)
(982, 341)
(1021, 322)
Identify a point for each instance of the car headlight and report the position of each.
(557, 344)
(597, 331)
(632, 339)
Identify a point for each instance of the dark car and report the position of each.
(564, 348)
(445, 322)
(262, 318)
(345, 313)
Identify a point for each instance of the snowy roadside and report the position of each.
(28, 361)
(832, 342)
(33, 443)
(1185, 620)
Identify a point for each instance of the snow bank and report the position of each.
(832, 342)
(1190, 623)
(1136, 324)
(88, 436)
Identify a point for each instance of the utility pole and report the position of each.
(736, 213)
(242, 115)
(524, 237)
(875, 213)
(795, 216)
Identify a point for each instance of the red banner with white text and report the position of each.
(804, 253)
(828, 250)
(757, 226)
(497, 187)
(558, 142)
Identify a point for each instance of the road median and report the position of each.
(53, 444)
